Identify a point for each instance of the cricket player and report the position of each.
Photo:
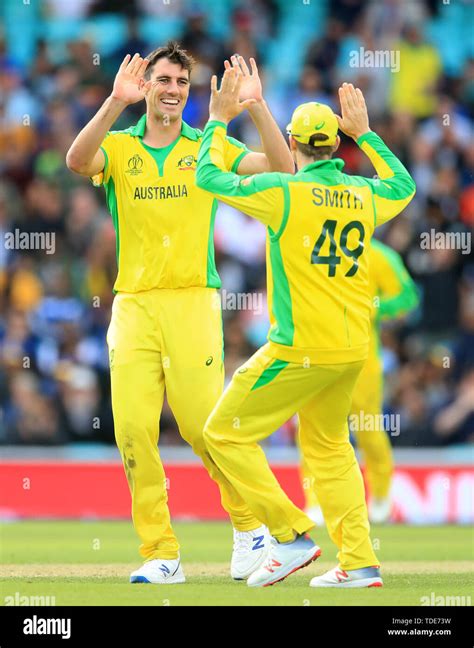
(393, 294)
(319, 226)
(166, 326)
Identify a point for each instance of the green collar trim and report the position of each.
(336, 164)
(138, 130)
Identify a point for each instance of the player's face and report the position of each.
(170, 89)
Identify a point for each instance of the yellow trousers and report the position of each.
(263, 394)
(373, 443)
(166, 339)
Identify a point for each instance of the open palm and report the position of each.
(225, 103)
(129, 85)
(355, 120)
(251, 86)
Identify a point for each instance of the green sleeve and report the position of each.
(407, 298)
(262, 196)
(394, 188)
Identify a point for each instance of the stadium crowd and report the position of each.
(55, 303)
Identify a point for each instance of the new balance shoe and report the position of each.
(159, 572)
(250, 550)
(337, 577)
(283, 559)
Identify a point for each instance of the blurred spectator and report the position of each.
(83, 219)
(244, 37)
(17, 343)
(323, 53)
(199, 42)
(455, 421)
(347, 11)
(133, 42)
(30, 416)
(26, 289)
(80, 396)
(414, 86)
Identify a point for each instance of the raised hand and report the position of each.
(355, 119)
(251, 87)
(129, 84)
(225, 104)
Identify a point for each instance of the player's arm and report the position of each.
(395, 187)
(262, 196)
(85, 155)
(398, 291)
(276, 155)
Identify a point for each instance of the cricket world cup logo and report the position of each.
(135, 165)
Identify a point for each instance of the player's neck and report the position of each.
(303, 161)
(160, 132)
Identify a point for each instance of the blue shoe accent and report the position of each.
(365, 572)
(165, 569)
(139, 579)
(259, 544)
(300, 543)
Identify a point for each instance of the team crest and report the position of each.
(187, 163)
(135, 165)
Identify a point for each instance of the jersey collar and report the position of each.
(186, 131)
(336, 164)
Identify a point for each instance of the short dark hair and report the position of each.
(174, 53)
(315, 152)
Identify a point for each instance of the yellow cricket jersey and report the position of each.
(164, 223)
(320, 223)
(391, 288)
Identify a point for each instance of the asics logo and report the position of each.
(275, 563)
(164, 569)
(258, 543)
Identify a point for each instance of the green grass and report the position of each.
(419, 561)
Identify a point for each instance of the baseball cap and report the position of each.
(311, 118)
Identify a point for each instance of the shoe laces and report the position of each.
(271, 554)
(242, 541)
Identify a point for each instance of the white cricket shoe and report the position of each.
(337, 577)
(380, 510)
(283, 559)
(250, 550)
(316, 515)
(159, 572)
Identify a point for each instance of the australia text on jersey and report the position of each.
(161, 193)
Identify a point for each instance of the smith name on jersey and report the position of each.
(319, 227)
